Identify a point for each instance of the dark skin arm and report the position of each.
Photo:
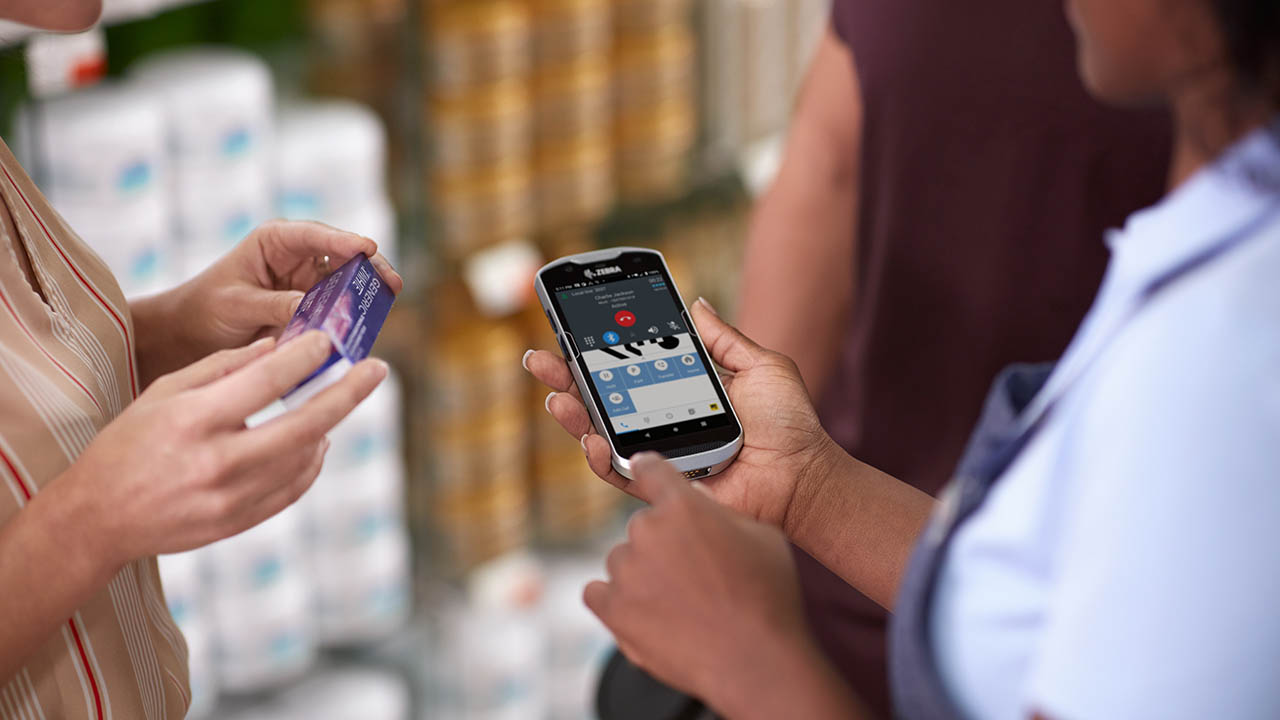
(797, 281)
(859, 522)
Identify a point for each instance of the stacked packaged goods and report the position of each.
(356, 50)
(186, 594)
(101, 158)
(482, 119)
(330, 166)
(348, 694)
(572, 91)
(219, 106)
(358, 540)
(478, 430)
(757, 52)
(578, 643)
(492, 662)
(261, 601)
(655, 72)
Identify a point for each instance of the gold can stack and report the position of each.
(572, 89)
(479, 434)
(655, 110)
(481, 118)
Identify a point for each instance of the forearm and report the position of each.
(798, 274)
(52, 559)
(161, 337)
(797, 282)
(859, 522)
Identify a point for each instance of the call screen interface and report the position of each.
(644, 366)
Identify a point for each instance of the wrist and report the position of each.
(783, 676)
(827, 463)
(162, 338)
(77, 523)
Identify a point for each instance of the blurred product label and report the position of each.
(101, 157)
(57, 63)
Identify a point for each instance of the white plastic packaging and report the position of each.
(262, 604)
(349, 694)
(330, 158)
(578, 643)
(494, 660)
(101, 158)
(186, 593)
(219, 106)
(219, 102)
(358, 543)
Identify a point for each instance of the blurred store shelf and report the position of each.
(435, 570)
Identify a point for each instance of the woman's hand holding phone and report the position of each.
(178, 469)
(786, 452)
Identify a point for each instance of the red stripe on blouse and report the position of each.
(124, 328)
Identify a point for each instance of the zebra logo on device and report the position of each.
(606, 270)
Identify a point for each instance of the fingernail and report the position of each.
(524, 361)
(297, 300)
(583, 441)
(547, 403)
(261, 343)
(701, 487)
(380, 368)
(324, 445)
(708, 306)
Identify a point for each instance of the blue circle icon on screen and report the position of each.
(611, 337)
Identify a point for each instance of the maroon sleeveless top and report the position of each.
(988, 178)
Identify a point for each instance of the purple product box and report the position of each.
(349, 306)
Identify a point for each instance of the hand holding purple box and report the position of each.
(349, 306)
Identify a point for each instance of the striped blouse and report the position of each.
(67, 368)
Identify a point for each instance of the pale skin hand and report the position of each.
(798, 272)
(250, 293)
(176, 470)
(856, 520)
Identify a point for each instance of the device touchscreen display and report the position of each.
(643, 364)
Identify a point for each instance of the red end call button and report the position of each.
(625, 318)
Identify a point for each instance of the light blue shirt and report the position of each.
(1128, 563)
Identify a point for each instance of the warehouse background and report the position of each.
(435, 570)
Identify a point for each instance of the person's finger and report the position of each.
(655, 479)
(291, 490)
(218, 365)
(394, 282)
(270, 309)
(263, 381)
(287, 242)
(728, 346)
(549, 368)
(600, 460)
(726, 379)
(597, 596)
(615, 563)
(319, 415)
(570, 413)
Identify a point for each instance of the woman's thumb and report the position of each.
(730, 349)
(274, 309)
